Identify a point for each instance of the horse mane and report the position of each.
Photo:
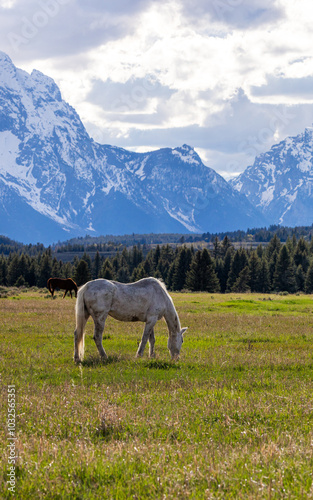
(163, 285)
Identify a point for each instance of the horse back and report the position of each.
(139, 301)
(62, 283)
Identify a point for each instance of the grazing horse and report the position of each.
(145, 300)
(64, 284)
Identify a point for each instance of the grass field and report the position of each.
(232, 419)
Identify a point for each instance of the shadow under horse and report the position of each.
(63, 284)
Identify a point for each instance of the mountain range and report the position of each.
(56, 182)
(280, 182)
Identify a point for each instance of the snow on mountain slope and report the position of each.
(51, 170)
(280, 182)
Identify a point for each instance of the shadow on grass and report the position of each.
(161, 365)
(93, 361)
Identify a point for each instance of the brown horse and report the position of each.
(63, 284)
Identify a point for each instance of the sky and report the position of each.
(228, 77)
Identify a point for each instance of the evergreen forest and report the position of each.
(277, 267)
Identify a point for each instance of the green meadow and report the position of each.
(232, 419)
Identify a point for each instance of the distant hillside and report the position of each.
(111, 244)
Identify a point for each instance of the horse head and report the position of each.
(175, 343)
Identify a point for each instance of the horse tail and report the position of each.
(49, 286)
(81, 320)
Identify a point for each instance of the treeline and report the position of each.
(107, 243)
(258, 235)
(8, 246)
(278, 267)
(263, 234)
(111, 244)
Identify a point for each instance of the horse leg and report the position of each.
(64, 293)
(97, 336)
(148, 334)
(151, 344)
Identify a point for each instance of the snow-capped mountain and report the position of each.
(280, 182)
(56, 182)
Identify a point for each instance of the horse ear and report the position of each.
(183, 330)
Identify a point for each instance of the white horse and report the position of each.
(146, 300)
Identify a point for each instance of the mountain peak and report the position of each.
(45, 85)
(187, 154)
(280, 182)
(4, 58)
(186, 147)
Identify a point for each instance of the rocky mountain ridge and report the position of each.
(280, 181)
(56, 182)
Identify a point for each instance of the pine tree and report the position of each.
(300, 278)
(182, 265)
(216, 247)
(308, 284)
(272, 252)
(44, 270)
(135, 257)
(116, 263)
(148, 265)
(156, 256)
(82, 273)
(123, 275)
(96, 266)
(301, 255)
(67, 270)
(14, 270)
(162, 269)
(239, 262)
(138, 273)
(3, 271)
(284, 276)
(86, 257)
(264, 282)
(170, 276)
(226, 244)
(219, 270)
(194, 278)
(107, 271)
(226, 268)
(56, 268)
(254, 268)
(165, 261)
(274, 246)
(241, 284)
(125, 258)
(260, 251)
(210, 282)
(202, 275)
(290, 244)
